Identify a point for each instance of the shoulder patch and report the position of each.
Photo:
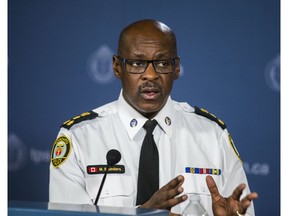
(84, 116)
(234, 147)
(60, 151)
(205, 113)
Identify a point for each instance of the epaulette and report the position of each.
(205, 113)
(84, 116)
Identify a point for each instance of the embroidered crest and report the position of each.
(60, 151)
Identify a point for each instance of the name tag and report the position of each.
(101, 169)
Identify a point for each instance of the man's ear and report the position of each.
(116, 67)
(177, 68)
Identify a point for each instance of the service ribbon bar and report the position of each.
(196, 170)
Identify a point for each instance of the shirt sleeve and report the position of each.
(233, 171)
(67, 181)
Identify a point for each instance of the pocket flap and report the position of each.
(114, 185)
(195, 184)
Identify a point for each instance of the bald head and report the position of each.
(149, 29)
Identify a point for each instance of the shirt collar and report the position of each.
(133, 121)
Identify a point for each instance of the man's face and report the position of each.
(149, 91)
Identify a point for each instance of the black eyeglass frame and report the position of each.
(124, 60)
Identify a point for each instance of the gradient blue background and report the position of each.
(229, 53)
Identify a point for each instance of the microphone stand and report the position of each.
(102, 183)
(113, 156)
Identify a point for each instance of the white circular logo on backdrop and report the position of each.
(272, 74)
(100, 65)
(17, 153)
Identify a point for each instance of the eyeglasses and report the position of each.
(137, 66)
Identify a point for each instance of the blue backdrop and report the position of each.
(59, 55)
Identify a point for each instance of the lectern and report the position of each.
(26, 208)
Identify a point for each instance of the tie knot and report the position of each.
(149, 125)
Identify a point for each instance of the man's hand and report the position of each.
(165, 197)
(231, 205)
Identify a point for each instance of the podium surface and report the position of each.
(27, 208)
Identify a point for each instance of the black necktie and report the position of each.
(148, 177)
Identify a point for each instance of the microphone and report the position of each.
(113, 156)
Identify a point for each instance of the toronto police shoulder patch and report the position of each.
(60, 151)
(234, 147)
(205, 113)
(84, 116)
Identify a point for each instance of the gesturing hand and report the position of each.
(232, 205)
(165, 197)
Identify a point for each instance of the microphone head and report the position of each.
(113, 157)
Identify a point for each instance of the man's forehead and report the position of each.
(148, 38)
(143, 48)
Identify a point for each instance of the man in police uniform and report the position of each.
(196, 152)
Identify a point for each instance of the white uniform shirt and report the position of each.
(189, 144)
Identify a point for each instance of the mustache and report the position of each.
(150, 86)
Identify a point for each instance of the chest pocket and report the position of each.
(118, 189)
(196, 184)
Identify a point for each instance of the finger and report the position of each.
(213, 189)
(178, 181)
(172, 188)
(246, 202)
(170, 194)
(238, 192)
(163, 198)
(175, 201)
(251, 196)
